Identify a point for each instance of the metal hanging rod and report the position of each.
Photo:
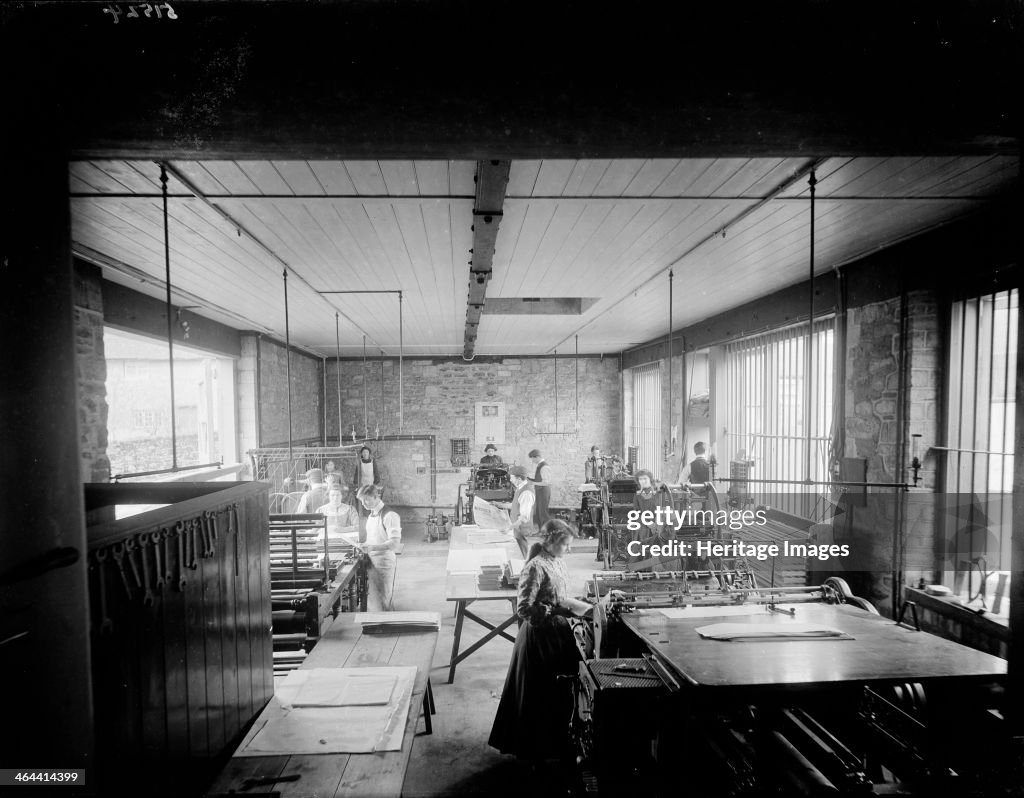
(718, 232)
(170, 323)
(288, 360)
(241, 229)
(814, 483)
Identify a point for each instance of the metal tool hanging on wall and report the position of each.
(150, 562)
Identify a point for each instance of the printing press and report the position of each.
(309, 578)
(491, 483)
(877, 708)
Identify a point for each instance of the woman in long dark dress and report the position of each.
(533, 715)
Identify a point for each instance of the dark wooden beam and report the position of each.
(491, 182)
(131, 311)
(358, 79)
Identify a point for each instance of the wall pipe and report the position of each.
(901, 429)
(259, 398)
(170, 324)
(431, 439)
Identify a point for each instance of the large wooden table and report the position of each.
(325, 775)
(881, 651)
(463, 590)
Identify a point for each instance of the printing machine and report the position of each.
(884, 710)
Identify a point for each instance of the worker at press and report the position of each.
(521, 510)
(542, 487)
(649, 498)
(593, 466)
(698, 471)
(342, 518)
(490, 457)
(383, 538)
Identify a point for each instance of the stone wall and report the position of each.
(440, 397)
(92, 374)
(872, 436)
(307, 395)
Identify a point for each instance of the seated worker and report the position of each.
(649, 498)
(593, 466)
(382, 539)
(316, 493)
(490, 457)
(342, 519)
(698, 471)
(521, 511)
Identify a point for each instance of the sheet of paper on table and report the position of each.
(480, 537)
(786, 630)
(347, 729)
(712, 612)
(487, 516)
(469, 561)
(335, 687)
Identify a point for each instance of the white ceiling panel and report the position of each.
(606, 230)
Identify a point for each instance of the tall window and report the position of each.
(768, 421)
(979, 452)
(139, 405)
(645, 432)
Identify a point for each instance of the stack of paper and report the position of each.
(490, 577)
(378, 623)
(513, 569)
(745, 632)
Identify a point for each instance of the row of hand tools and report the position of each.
(147, 562)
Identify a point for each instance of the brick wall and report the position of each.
(92, 374)
(307, 393)
(440, 397)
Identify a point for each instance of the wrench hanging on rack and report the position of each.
(106, 625)
(143, 544)
(117, 552)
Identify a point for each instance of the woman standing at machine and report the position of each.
(535, 703)
(383, 540)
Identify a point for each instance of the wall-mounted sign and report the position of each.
(490, 423)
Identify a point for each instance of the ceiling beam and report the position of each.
(491, 182)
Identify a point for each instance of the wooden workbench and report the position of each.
(880, 651)
(463, 590)
(325, 775)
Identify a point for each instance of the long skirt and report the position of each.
(536, 706)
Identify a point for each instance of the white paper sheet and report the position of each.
(469, 561)
(789, 630)
(335, 687)
(487, 516)
(711, 612)
(336, 730)
(483, 537)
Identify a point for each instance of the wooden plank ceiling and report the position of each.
(732, 230)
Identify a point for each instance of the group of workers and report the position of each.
(373, 528)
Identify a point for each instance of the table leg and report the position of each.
(460, 614)
(427, 725)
